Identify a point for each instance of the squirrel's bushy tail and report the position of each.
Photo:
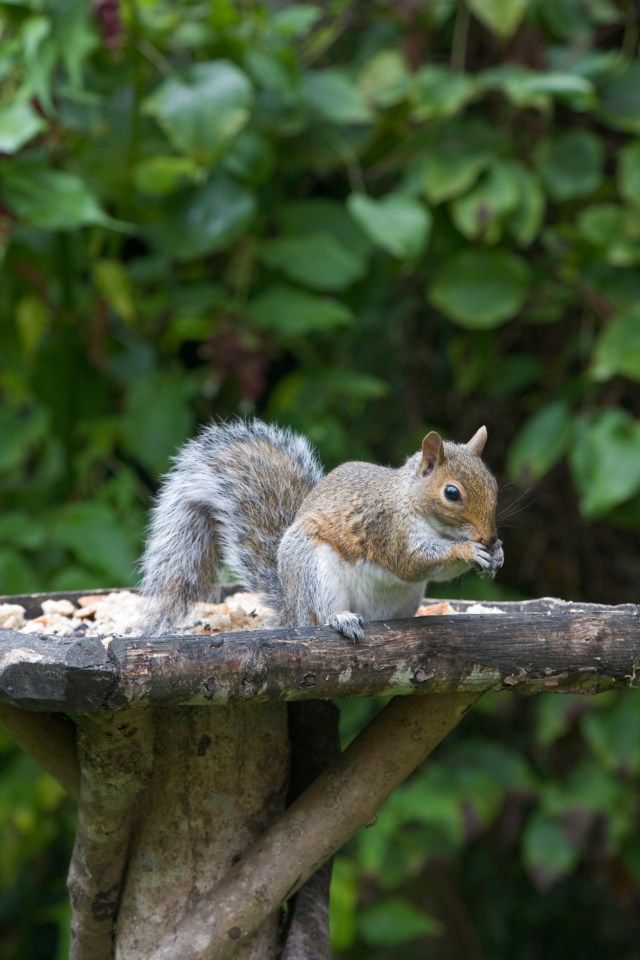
(229, 497)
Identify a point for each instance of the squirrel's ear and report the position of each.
(478, 440)
(432, 453)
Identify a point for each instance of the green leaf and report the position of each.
(16, 576)
(52, 199)
(204, 110)
(451, 168)
(398, 224)
(162, 175)
(321, 215)
(343, 902)
(251, 158)
(489, 765)
(481, 213)
(32, 321)
(113, 282)
(571, 165)
(205, 219)
(605, 461)
(40, 56)
(629, 173)
(516, 373)
(22, 530)
(308, 392)
(612, 229)
(546, 851)
(526, 221)
(602, 224)
(501, 17)
(394, 921)
(529, 88)
(543, 440)
(554, 716)
(591, 788)
(439, 92)
(384, 80)
(296, 19)
(617, 349)
(290, 312)
(79, 39)
(316, 260)
(481, 289)
(21, 432)
(158, 417)
(334, 95)
(614, 734)
(19, 123)
(619, 99)
(94, 535)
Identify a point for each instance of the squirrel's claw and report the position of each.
(487, 560)
(348, 624)
(497, 555)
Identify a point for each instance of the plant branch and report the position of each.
(50, 739)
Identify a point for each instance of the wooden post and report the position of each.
(218, 780)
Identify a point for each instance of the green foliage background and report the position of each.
(365, 220)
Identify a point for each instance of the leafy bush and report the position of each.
(364, 220)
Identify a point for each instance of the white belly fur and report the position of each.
(366, 588)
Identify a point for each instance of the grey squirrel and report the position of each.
(357, 544)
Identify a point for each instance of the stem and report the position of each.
(460, 38)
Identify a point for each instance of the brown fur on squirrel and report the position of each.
(358, 544)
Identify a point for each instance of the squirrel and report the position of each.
(359, 543)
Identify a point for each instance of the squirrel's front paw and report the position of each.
(486, 560)
(497, 556)
(348, 624)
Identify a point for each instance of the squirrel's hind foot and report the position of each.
(348, 624)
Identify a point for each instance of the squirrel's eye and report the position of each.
(452, 493)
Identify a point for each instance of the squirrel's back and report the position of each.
(229, 497)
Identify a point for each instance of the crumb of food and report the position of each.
(240, 611)
(86, 613)
(11, 616)
(120, 614)
(63, 607)
(435, 609)
(483, 608)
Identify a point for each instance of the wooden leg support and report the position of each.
(342, 800)
(50, 738)
(315, 745)
(115, 751)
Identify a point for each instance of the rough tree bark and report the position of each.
(115, 751)
(341, 800)
(218, 779)
(536, 646)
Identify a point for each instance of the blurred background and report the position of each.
(365, 220)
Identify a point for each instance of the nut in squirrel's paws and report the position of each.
(348, 624)
(487, 560)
